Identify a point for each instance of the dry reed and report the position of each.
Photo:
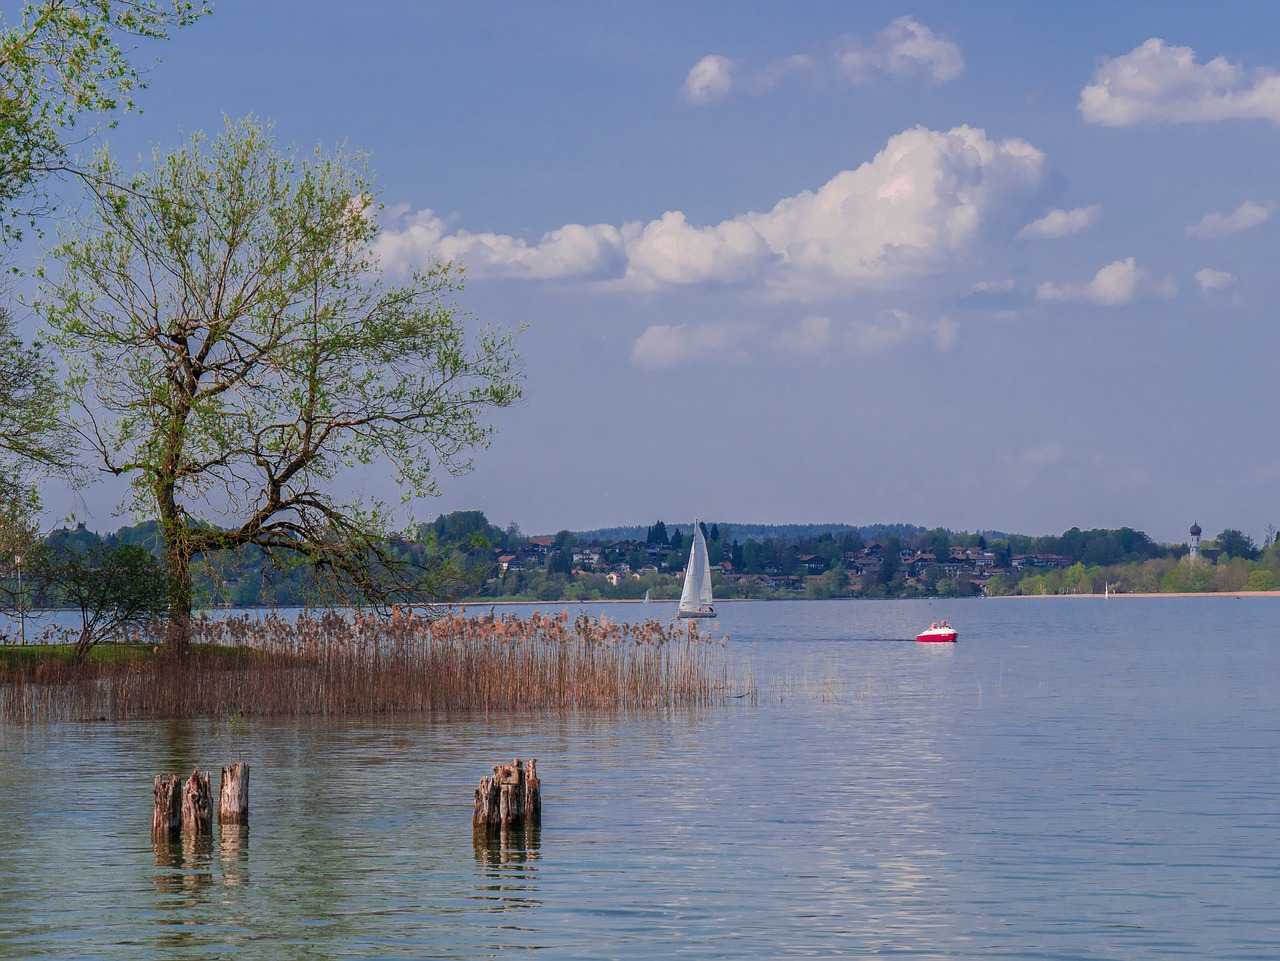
(351, 664)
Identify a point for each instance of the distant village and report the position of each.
(757, 561)
(970, 569)
(896, 561)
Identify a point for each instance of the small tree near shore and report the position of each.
(113, 587)
(233, 348)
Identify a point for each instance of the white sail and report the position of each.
(696, 595)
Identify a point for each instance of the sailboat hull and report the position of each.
(695, 613)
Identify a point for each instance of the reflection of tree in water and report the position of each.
(508, 864)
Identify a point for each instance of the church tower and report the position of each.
(1194, 543)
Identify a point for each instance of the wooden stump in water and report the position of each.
(512, 798)
(166, 816)
(197, 804)
(233, 798)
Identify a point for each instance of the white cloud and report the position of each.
(1117, 283)
(710, 79)
(671, 251)
(665, 345)
(771, 74)
(921, 203)
(1161, 84)
(571, 251)
(1247, 215)
(904, 49)
(1060, 223)
(1210, 279)
(994, 286)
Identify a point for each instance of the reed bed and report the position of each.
(354, 664)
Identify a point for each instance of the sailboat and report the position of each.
(695, 599)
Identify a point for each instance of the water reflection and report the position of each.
(186, 868)
(996, 799)
(508, 867)
(233, 852)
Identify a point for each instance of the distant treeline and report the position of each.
(786, 533)
(749, 561)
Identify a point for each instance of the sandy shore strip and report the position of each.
(1235, 594)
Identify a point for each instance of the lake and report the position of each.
(1076, 778)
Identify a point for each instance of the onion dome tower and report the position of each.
(1194, 542)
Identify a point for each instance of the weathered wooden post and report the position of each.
(197, 804)
(166, 816)
(233, 797)
(512, 798)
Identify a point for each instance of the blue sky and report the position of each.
(982, 266)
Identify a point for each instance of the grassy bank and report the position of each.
(336, 664)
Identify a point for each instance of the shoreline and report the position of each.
(1235, 594)
(976, 597)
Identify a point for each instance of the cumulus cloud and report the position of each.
(570, 251)
(710, 79)
(772, 73)
(665, 345)
(904, 49)
(993, 286)
(672, 251)
(1247, 215)
(1155, 83)
(920, 204)
(1060, 223)
(715, 78)
(1117, 283)
(1210, 279)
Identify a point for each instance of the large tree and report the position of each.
(234, 348)
(61, 60)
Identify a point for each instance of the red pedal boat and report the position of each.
(943, 633)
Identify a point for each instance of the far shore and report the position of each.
(1235, 594)
(477, 602)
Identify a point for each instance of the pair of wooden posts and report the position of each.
(188, 806)
(511, 799)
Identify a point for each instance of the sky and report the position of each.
(984, 266)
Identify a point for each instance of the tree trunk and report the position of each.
(233, 798)
(166, 817)
(197, 805)
(178, 561)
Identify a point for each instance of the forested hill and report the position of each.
(786, 533)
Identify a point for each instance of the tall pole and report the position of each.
(22, 603)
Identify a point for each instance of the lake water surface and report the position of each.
(1076, 778)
